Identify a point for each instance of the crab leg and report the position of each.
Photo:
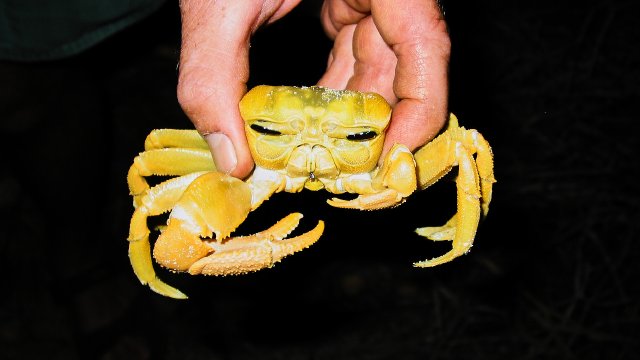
(245, 254)
(156, 201)
(435, 160)
(395, 181)
(446, 232)
(474, 183)
(484, 160)
(468, 215)
(172, 138)
(432, 168)
(169, 161)
(168, 152)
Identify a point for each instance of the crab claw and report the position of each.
(383, 199)
(240, 255)
(214, 203)
(394, 182)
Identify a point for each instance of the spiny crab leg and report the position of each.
(239, 255)
(474, 183)
(155, 201)
(466, 220)
(446, 232)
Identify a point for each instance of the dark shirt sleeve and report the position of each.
(37, 30)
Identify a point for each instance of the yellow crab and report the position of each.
(309, 137)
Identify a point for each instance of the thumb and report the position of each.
(213, 73)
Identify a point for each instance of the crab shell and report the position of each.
(314, 133)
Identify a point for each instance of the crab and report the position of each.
(300, 138)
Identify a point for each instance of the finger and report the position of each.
(341, 61)
(214, 52)
(415, 32)
(336, 14)
(375, 62)
(214, 70)
(417, 35)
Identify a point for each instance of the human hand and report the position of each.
(214, 69)
(399, 49)
(401, 52)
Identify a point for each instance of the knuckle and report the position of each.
(193, 93)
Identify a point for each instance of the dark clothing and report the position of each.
(36, 30)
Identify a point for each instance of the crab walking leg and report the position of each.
(432, 167)
(172, 138)
(434, 160)
(157, 200)
(394, 182)
(446, 232)
(170, 161)
(468, 215)
(484, 161)
(245, 254)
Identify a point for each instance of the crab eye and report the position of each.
(265, 131)
(362, 136)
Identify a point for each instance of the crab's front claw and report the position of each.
(240, 255)
(393, 183)
(214, 203)
(205, 203)
(154, 201)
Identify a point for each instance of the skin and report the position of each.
(397, 49)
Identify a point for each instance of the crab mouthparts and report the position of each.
(313, 183)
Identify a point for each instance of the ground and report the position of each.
(553, 273)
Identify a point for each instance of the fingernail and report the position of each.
(224, 155)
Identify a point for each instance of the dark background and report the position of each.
(553, 273)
